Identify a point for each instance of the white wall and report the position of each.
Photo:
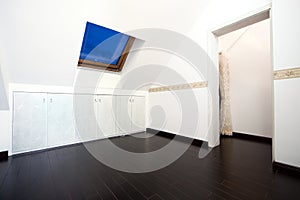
(287, 124)
(41, 40)
(250, 78)
(3, 89)
(4, 108)
(286, 31)
(5, 127)
(168, 115)
(286, 34)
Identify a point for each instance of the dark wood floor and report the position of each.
(238, 169)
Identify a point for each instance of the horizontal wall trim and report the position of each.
(287, 73)
(194, 85)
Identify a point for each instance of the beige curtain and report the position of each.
(225, 113)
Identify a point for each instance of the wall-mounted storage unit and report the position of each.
(30, 121)
(60, 120)
(44, 120)
(130, 114)
(105, 106)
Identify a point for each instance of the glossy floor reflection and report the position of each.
(238, 169)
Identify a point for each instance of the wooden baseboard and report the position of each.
(285, 168)
(160, 133)
(195, 142)
(3, 155)
(246, 136)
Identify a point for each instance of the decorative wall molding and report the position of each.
(287, 73)
(195, 85)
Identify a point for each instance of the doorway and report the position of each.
(246, 46)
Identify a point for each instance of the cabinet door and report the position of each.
(61, 127)
(29, 121)
(123, 117)
(137, 114)
(106, 116)
(85, 109)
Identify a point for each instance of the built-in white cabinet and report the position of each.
(29, 122)
(131, 114)
(123, 119)
(106, 115)
(43, 120)
(85, 117)
(137, 114)
(60, 118)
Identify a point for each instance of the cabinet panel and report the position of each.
(137, 114)
(106, 114)
(85, 108)
(29, 121)
(61, 127)
(123, 110)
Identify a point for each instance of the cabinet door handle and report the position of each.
(51, 100)
(44, 100)
(96, 100)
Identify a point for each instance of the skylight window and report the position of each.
(104, 48)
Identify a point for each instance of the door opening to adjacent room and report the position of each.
(246, 76)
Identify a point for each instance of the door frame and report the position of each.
(260, 14)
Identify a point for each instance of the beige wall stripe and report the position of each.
(180, 87)
(287, 73)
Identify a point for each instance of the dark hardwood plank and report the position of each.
(237, 169)
(4, 166)
(155, 197)
(139, 185)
